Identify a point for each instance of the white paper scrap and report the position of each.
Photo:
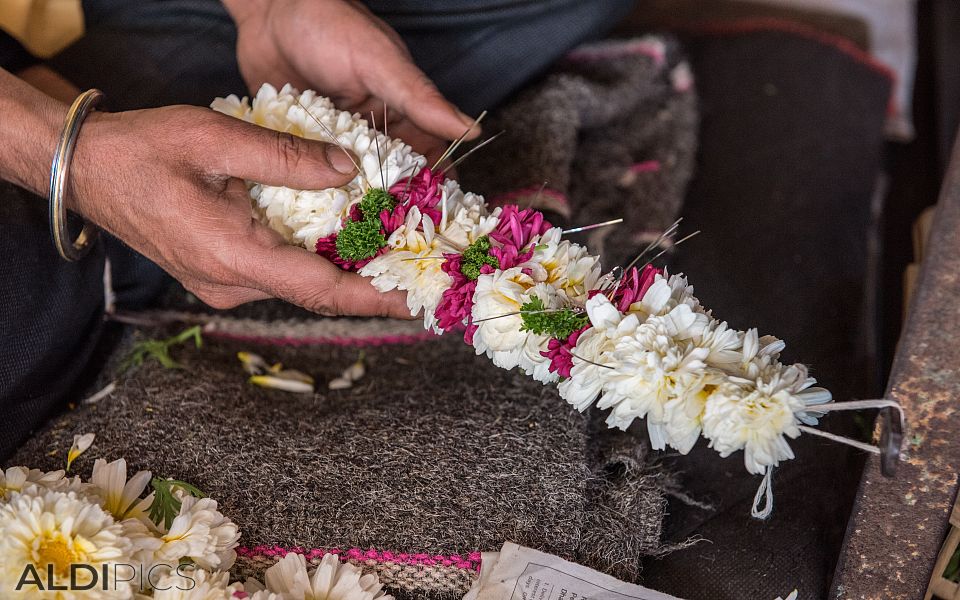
(524, 574)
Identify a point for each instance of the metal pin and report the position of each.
(376, 140)
(456, 143)
(670, 231)
(665, 250)
(536, 196)
(589, 227)
(590, 361)
(472, 150)
(336, 141)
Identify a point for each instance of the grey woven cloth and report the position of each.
(434, 451)
(610, 132)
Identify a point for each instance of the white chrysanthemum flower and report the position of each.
(567, 266)
(331, 580)
(665, 294)
(760, 356)
(202, 534)
(415, 257)
(591, 351)
(723, 346)
(496, 311)
(656, 366)
(304, 216)
(16, 479)
(45, 529)
(757, 417)
(413, 265)
(196, 584)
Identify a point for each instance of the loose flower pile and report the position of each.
(64, 538)
(639, 344)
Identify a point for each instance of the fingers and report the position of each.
(426, 144)
(277, 158)
(393, 77)
(305, 279)
(223, 296)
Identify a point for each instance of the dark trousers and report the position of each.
(148, 53)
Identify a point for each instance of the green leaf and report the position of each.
(159, 350)
(166, 506)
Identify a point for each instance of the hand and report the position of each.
(340, 49)
(169, 183)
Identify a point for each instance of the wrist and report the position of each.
(29, 132)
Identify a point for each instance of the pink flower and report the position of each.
(327, 248)
(560, 353)
(633, 286)
(456, 304)
(514, 233)
(423, 192)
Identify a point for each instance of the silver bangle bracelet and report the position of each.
(77, 249)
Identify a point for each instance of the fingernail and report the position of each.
(340, 160)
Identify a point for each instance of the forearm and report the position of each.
(30, 123)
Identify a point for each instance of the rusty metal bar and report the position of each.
(899, 524)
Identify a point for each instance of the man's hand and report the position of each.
(340, 49)
(169, 183)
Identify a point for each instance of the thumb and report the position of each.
(399, 83)
(277, 158)
(308, 280)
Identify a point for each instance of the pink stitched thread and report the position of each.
(509, 197)
(647, 166)
(470, 561)
(654, 49)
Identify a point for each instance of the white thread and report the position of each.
(765, 491)
(840, 438)
(859, 405)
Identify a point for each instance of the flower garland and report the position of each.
(61, 537)
(640, 345)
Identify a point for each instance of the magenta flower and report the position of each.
(456, 304)
(514, 235)
(633, 286)
(423, 192)
(327, 248)
(560, 352)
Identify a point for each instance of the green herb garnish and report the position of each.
(359, 240)
(556, 323)
(475, 256)
(374, 202)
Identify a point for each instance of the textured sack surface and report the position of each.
(611, 131)
(435, 451)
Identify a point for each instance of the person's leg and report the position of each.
(50, 317)
(478, 52)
